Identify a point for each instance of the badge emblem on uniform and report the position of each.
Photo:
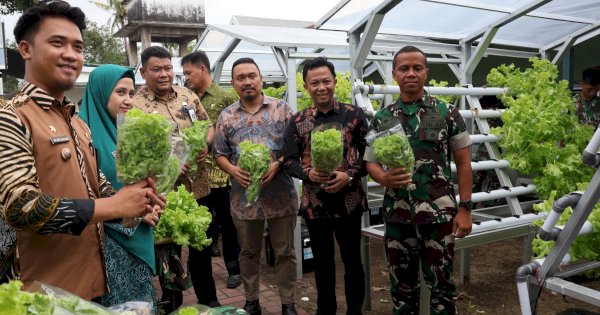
(65, 154)
(52, 129)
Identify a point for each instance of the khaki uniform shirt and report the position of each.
(176, 109)
(48, 176)
(215, 100)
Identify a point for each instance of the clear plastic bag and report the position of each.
(133, 308)
(255, 159)
(392, 149)
(67, 303)
(197, 309)
(327, 149)
(195, 138)
(143, 145)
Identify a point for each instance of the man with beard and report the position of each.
(260, 119)
(51, 190)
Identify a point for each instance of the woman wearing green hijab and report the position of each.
(128, 252)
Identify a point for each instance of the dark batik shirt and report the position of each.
(434, 130)
(315, 202)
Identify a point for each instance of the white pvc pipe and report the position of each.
(484, 165)
(594, 144)
(507, 222)
(586, 228)
(523, 290)
(480, 138)
(484, 113)
(435, 90)
(502, 193)
(551, 221)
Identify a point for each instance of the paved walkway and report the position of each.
(269, 298)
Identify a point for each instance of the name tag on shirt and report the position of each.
(191, 113)
(59, 140)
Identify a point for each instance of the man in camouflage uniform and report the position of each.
(421, 224)
(196, 68)
(588, 102)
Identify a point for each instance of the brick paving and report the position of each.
(269, 298)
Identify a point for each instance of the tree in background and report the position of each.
(16, 6)
(101, 47)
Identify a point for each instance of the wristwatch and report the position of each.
(467, 204)
(350, 178)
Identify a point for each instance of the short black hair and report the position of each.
(408, 49)
(591, 76)
(244, 60)
(29, 22)
(154, 51)
(316, 63)
(196, 58)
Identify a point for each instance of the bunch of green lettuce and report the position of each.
(168, 176)
(394, 151)
(13, 301)
(255, 159)
(327, 150)
(195, 140)
(143, 145)
(184, 221)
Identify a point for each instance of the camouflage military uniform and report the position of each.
(588, 112)
(419, 222)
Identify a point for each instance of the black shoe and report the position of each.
(252, 307)
(213, 304)
(288, 309)
(234, 281)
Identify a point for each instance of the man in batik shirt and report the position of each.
(260, 119)
(332, 204)
(420, 224)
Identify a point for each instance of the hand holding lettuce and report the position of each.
(392, 149)
(255, 159)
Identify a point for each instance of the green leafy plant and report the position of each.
(449, 99)
(541, 136)
(327, 149)
(394, 151)
(195, 140)
(143, 145)
(184, 221)
(254, 158)
(167, 178)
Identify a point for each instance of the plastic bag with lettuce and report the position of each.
(194, 138)
(392, 149)
(255, 159)
(327, 149)
(184, 221)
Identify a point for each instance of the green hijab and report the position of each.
(94, 111)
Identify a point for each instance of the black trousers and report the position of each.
(200, 264)
(347, 231)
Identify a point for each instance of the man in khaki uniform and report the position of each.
(51, 190)
(182, 107)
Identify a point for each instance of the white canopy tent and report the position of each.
(367, 32)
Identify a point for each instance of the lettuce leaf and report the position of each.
(143, 146)
(394, 151)
(327, 150)
(184, 221)
(195, 140)
(255, 159)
